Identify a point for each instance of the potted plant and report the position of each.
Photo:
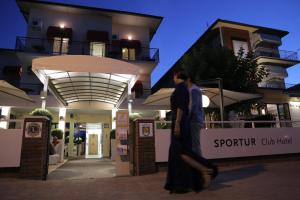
(57, 133)
(42, 112)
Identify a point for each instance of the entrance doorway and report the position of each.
(93, 140)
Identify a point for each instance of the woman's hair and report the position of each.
(181, 74)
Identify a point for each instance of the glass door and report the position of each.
(93, 140)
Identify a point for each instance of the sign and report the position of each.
(145, 129)
(244, 142)
(33, 130)
(122, 131)
(236, 142)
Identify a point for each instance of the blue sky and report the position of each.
(184, 22)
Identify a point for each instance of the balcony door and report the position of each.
(237, 45)
(60, 45)
(128, 53)
(97, 49)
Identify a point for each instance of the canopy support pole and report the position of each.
(220, 85)
(44, 92)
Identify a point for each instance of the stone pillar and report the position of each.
(5, 111)
(61, 126)
(71, 136)
(144, 147)
(35, 148)
(45, 92)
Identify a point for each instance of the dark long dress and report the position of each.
(180, 176)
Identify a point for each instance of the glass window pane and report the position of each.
(237, 45)
(131, 54)
(65, 46)
(56, 45)
(125, 53)
(97, 49)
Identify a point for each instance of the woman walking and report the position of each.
(180, 177)
(185, 173)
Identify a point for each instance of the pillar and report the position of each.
(5, 111)
(44, 92)
(71, 137)
(61, 126)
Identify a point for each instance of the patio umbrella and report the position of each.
(10, 94)
(162, 97)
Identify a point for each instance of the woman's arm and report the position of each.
(177, 122)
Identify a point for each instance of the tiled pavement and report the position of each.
(277, 180)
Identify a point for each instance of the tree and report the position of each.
(239, 73)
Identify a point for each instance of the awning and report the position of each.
(78, 78)
(9, 94)
(54, 31)
(97, 36)
(162, 97)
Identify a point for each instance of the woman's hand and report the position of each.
(177, 129)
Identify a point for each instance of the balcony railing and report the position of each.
(282, 54)
(46, 46)
(257, 38)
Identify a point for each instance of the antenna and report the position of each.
(207, 24)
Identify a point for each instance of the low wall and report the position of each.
(236, 142)
(10, 147)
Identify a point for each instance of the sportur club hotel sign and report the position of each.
(228, 143)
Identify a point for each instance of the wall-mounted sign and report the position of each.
(145, 129)
(33, 129)
(122, 119)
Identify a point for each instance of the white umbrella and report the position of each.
(10, 94)
(162, 97)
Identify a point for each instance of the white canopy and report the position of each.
(81, 78)
(10, 94)
(162, 97)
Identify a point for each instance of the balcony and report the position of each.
(46, 46)
(259, 38)
(275, 53)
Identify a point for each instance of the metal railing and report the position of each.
(46, 46)
(237, 124)
(274, 53)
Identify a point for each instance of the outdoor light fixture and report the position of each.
(129, 37)
(205, 101)
(43, 95)
(162, 114)
(62, 25)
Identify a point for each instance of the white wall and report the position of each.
(263, 141)
(79, 23)
(10, 147)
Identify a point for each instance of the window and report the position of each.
(60, 45)
(281, 112)
(237, 45)
(97, 49)
(128, 53)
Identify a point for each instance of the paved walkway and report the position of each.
(254, 181)
(84, 169)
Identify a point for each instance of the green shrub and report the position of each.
(57, 133)
(42, 112)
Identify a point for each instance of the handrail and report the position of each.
(45, 46)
